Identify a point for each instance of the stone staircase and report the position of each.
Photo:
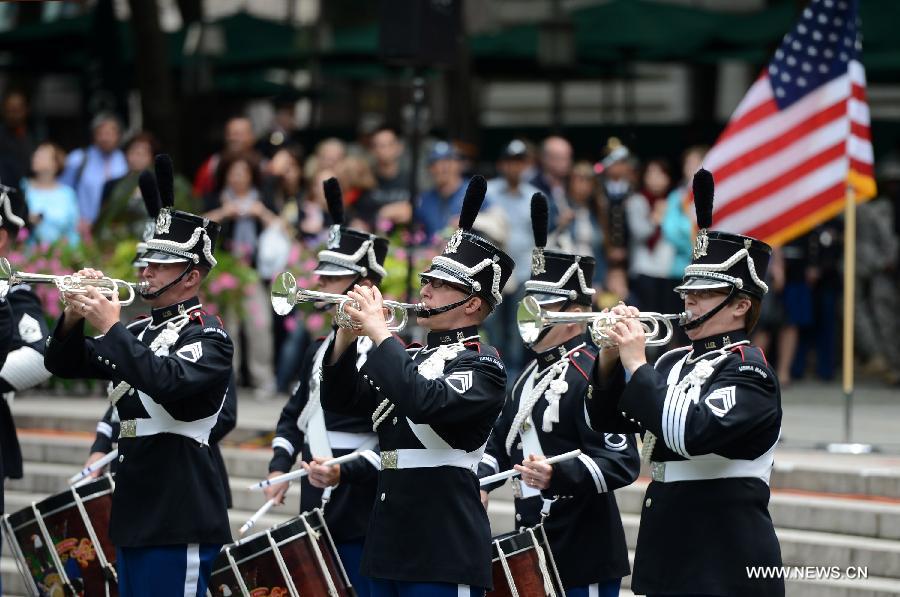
(829, 510)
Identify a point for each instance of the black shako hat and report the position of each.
(349, 251)
(723, 259)
(179, 236)
(470, 260)
(556, 276)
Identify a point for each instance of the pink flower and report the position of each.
(227, 281)
(290, 324)
(309, 265)
(400, 254)
(384, 225)
(294, 255)
(314, 322)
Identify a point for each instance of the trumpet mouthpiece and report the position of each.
(685, 317)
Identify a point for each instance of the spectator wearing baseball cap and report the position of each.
(438, 207)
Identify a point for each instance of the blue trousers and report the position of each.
(351, 557)
(171, 570)
(604, 589)
(399, 588)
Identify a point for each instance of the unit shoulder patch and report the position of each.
(617, 442)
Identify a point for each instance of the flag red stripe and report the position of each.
(760, 152)
(860, 130)
(862, 167)
(833, 193)
(773, 185)
(753, 116)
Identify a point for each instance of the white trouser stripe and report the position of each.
(192, 571)
(463, 591)
(594, 590)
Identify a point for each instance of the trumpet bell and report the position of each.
(283, 293)
(529, 319)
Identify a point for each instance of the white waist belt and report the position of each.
(703, 469)
(195, 430)
(430, 458)
(344, 440)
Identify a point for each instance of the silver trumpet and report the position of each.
(285, 295)
(532, 320)
(69, 283)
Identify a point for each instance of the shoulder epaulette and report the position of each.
(587, 358)
(206, 319)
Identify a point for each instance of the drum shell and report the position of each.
(522, 558)
(259, 567)
(69, 533)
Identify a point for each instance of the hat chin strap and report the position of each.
(438, 310)
(152, 295)
(694, 323)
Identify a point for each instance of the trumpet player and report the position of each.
(170, 376)
(352, 257)
(711, 417)
(544, 416)
(433, 409)
(107, 431)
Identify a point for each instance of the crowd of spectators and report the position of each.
(634, 216)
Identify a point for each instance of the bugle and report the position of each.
(532, 320)
(285, 295)
(69, 283)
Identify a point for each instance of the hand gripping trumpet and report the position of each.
(532, 320)
(285, 295)
(69, 283)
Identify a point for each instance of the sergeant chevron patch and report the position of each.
(29, 329)
(721, 401)
(459, 381)
(191, 353)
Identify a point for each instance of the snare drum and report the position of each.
(62, 544)
(294, 558)
(523, 565)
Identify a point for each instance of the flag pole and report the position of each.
(848, 447)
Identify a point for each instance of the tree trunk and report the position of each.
(153, 76)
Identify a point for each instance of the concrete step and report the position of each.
(805, 511)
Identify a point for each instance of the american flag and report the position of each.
(800, 137)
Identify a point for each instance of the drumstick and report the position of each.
(302, 472)
(259, 513)
(514, 473)
(94, 466)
